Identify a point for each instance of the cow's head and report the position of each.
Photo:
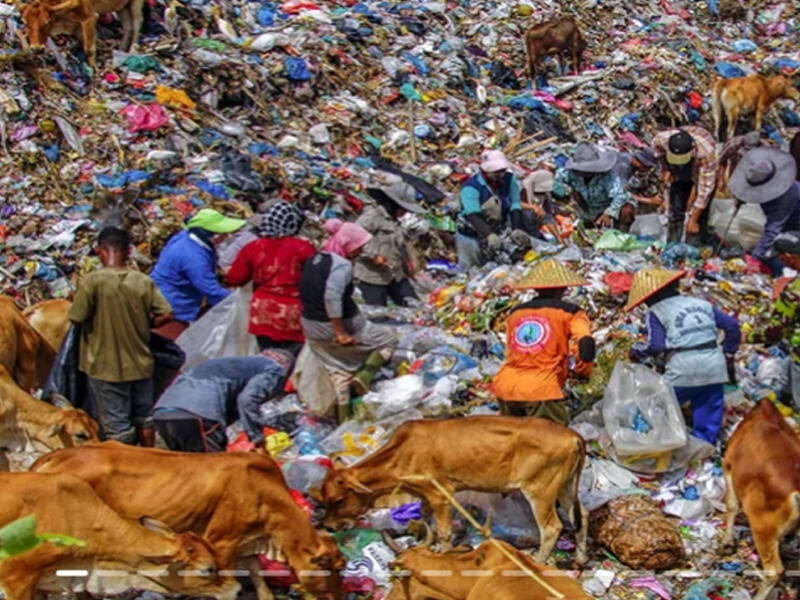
(325, 563)
(344, 497)
(38, 19)
(73, 427)
(193, 568)
(782, 86)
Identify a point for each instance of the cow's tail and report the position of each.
(716, 99)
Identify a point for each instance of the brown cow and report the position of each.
(744, 95)
(78, 18)
(235, 501)
(482, 573)
(554, 37)
(153, 557)
(540, 458)
(23, 351)
(50, 319)
(26, 421)
(761, 472)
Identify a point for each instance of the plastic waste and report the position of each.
(394, 396)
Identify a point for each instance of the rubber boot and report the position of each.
(341, 387)
(146, 436)
(363, 378)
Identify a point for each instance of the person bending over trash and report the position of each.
(766, 176)
(193, 412)
(274, 263)
(596, 188)
(186, 268)
(732, 153)
(684, 330)
(538, 338)
(784, 323)
(351, 349)
(640, 177)
(490, 204)
(689, 165)
(538, 209)
(116, 307)
(382, 269)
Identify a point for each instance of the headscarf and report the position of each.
(282, 219)
(345, 237)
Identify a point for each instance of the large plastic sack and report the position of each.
(746, 225)
(169, 358)
(313, 384)
(642, 415)
(394, 396)
(221, 332)
(650, 226)
(66, 379)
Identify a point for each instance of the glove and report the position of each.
(730, 362)
(493, 241)
(520, 238)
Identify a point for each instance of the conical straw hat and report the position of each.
(549, 274)
(647, 282)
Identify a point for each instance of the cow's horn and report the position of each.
(360, 487)
(426, 543)
(389, 541)
(68, 5)
(60, 401)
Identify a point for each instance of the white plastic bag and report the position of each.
(221, 332)
(313, 383)
(641, 412)
(747, 225)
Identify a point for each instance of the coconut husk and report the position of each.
(637, 532)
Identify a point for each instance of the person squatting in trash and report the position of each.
(116, 307)
(490, 204)
(766, 176)
(541, 336)
(589, 180)
(351, 348)
(193, 412)
(383, 268)
(689, 166)
(783, 326)
(539, 218)
(186, 268)
(639, 173)
(274, 263)
(684, 330)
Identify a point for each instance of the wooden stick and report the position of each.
(534, 146)
(482, 529)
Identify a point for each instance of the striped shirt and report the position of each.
(706, 165)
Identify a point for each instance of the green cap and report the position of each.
(215, 222)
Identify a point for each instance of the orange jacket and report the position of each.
(539, 336)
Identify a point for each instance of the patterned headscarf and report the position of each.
(281, 220)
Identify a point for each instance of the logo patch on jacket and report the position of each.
(531, 334)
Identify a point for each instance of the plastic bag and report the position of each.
(649, 226)
(169, 358)
(641, 413)
(313, 383)
(747, 225)
(221, 332)
(66, 379)
(394, 396)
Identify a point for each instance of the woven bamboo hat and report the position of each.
(548, 274)
(647, 282)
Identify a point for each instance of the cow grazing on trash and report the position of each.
(50, 318)
(28, 423)
(741, 96)
(557, 37)
(78, 18)
(238, 502)
(485, 572)
(24, 353)
(762, 477)
(153, 557)
(540, 458)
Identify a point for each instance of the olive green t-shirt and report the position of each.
(113, 306)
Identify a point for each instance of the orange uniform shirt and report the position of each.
(540, 335)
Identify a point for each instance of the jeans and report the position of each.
(123, 407)
(679, 192)
(378, 295)
(192, 434)
(469, 252)
(708, 409)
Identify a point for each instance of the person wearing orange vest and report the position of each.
(541, 337)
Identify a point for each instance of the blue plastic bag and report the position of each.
(728, 70)
(525, 102)
(743, 46)
(296, 69)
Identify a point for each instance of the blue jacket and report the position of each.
(226, 389)
(475, 192)
(186, 273)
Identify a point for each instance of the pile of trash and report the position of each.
(226, 105)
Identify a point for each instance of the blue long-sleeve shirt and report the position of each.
(186, 273)
(226, 389)
(783, 214)
(657, 335)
